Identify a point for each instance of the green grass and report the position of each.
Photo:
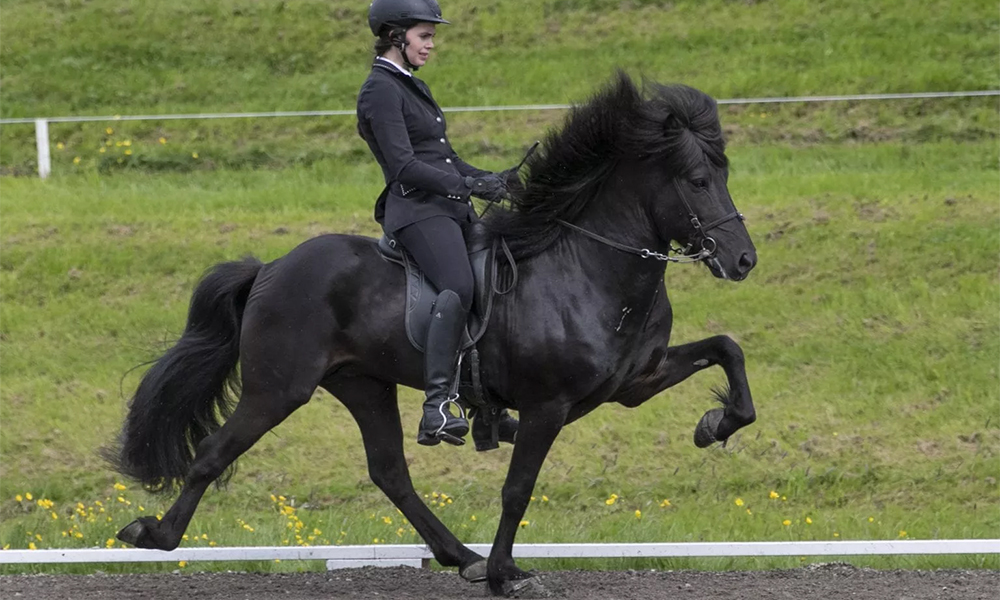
(105, 57)
(870, 328)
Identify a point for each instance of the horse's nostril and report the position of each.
(747, 261)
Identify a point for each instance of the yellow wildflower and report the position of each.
(128, 153)
(638, 514)
(786, 522)
(773, 495)
(665, 503)
(739, 502)
(127, 143)
(545, 498)
(28, 495)
(119, 487)
(809, 521)
(18, 498)
(109, 131)
(163, 140)
(110, 543)
(871, 519)
(60, 146)
(612, 499)
(387, 520)
(194, 155)
(472, 518)
(182, 564)
(32, 546)
(902, 533)
(524, 523)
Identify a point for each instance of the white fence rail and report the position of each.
(45, 161)
(337, 557)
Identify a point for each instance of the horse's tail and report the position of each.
(188, 392)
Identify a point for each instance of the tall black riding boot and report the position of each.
(444, 338)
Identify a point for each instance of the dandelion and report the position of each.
(194, 155)
(638, 514)
(784, 498)
(665, 503)
(281, 498)
(28, 496)
(472, 518)
(55, 517)
(809, 521)
(524, 523)
(902, 533)
(545, 498)
(128, 153)
(141, 508)
(739, 501)
(749, 513)
(836, 534)
(163, 140)
(118, 144)
(127, 143)
(871, 519)
(32, 546)
(532, 499)
(448, 500)
(786, 522)
(38, 537)
(60, 146)
(773, 495)
(611, 499)
(387, 520)
(45, 503)
(110, 543)
(6, 546)
(102, 150)
(317, 532)
(119, 487)
(182, 564)
(18, 498)
(109, 131)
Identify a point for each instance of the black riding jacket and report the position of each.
(405, 130)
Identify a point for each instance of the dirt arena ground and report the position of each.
(817, 582)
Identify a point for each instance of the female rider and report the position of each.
(425, 204)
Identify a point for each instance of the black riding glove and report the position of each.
(488, 187)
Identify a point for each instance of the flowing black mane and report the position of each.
(676, 123)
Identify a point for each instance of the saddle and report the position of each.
(420, 298)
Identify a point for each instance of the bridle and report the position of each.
(684, 255)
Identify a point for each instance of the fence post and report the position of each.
(42, 143)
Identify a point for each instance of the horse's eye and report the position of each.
(701, 184)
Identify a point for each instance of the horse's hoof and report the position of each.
(474, 573)
(133, 534)
(704, 433)
(525, 588)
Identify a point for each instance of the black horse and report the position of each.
(588, 322)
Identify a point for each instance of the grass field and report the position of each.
(871, 325)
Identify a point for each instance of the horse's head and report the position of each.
(687, 174)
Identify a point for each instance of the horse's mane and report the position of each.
(676, 123)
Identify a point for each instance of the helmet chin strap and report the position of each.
(401, 45)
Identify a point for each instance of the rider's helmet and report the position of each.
(402, 13)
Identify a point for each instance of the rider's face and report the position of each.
(419, 42)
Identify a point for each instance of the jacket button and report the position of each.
(439, 119)
(447, 160)
(442, 140)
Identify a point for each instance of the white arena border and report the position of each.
(391, 555)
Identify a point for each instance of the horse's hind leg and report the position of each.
(373, 405)
(256, 414)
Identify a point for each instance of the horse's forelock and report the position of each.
(681, 124)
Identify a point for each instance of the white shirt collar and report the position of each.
(397, 67)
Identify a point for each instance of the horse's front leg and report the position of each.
(718, 424)
(536, 432)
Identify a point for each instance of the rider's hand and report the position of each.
(489, 187)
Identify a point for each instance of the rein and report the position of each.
(708, 244)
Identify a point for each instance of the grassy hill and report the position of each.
(871, 325)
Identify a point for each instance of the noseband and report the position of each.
(684, 255)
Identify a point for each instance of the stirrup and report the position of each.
(425, 438)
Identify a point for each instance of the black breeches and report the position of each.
(438, 247)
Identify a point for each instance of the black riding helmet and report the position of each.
(403, 13)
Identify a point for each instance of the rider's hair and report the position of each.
(386, 36)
